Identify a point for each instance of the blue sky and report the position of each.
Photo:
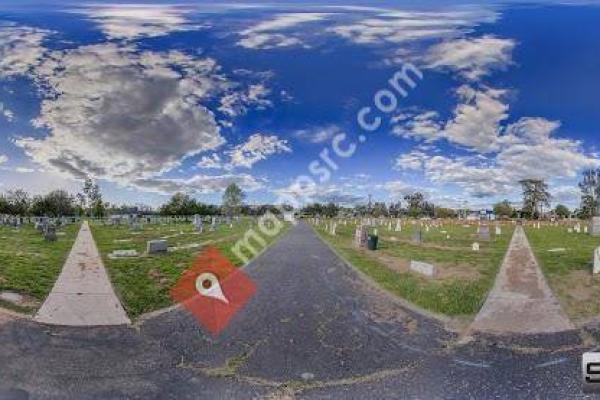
(154, 98)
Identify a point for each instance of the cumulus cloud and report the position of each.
(527, 150)
(473, 58)
(274, 33)
(132, 21)
(8, 114)
(20, 49)
(476, 123)
(199, 184)
(319, 134)
(3, 159)
(258, 147)
(237, 103)
(119, 114)
(301, 194)
(404, 26)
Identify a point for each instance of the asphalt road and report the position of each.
(314, 330)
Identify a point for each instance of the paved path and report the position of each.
(314, 330)
(521, 301)
(83, 294)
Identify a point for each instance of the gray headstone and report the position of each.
(50, 233)
(423, 268)
(157, 246)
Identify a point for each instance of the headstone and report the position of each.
(418, 237)
(596, 261)
(398, 226)
(361, 236)
(484, 233)
(498, 230)
(123, 254)
(423, 268)
(475, 246)
(595, 226)
(157, 246)
(50, 233)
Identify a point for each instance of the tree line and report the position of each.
(536, 200)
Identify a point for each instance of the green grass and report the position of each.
(569, 272)
(462, 294)
(143, 283)
(29, 264)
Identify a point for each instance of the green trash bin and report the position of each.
(372, 242)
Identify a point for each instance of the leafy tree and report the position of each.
(91, 198)
(331, 210)
(417, 206)
(562, 211)
(395, 209)
(379, 210)
(442, 212)
(504, 209)
(535, 197)
(233, 199)
(54, 204)
(18, 202)
(180, 204)
(590, 193)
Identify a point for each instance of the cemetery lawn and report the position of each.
(569, 273)
(463, 279)
(29, 265)
(143, 283)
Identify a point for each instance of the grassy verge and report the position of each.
(464, 277)
(569, 272)
(30, 265)
(143, 283)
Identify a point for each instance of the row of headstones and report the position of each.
(18, 221)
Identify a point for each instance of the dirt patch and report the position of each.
(443, 271)
(579, 291)
(159, 277)
(425, 245)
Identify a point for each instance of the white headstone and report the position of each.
(597, 260)
(422, 268)
(498, 231)
(475, 246)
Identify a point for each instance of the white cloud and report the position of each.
(471, 57)
(475, 124)
(3, 159)
(236, 103)
(20, 49)
(258, 147)
(6, 113)
(527, 150)
(119, 114)
(319, 134)
(132, 21)
(212, 161)
(404, 26)
(267, 34)
(201, 184)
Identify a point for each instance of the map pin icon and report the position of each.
(207, 284)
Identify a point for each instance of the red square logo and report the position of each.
(213, 290)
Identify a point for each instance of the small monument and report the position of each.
(595, 223)
(484, 233)
(423, 268)
(418, 237)
(361, 236)
(475, 246)
(157, 246)
(596, 269)
(50, 233)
